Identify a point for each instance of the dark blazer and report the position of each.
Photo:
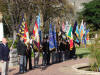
(45, 46)
(21, 48)
(4, 52)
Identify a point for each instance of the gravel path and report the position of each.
(63, 68)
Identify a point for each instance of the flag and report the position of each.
(87, 35)
(38, 21)
(51, 39)
(40, 35)
(69, 32)
(54, 33)
(82, 32)
(66, 27)
(70, 36)
(77, 32)
(21, 28)
(77, 41)
(71, 42)
(74, 28)
(36, 36)
(26, 34)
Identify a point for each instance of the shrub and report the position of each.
(95, 55)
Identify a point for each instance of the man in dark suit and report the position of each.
(21, 48)
(46, 53)
(4, 56)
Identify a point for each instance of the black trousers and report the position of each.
(29, 61)
(36, 59)
(72, 53)
(46, 58)
(67, 54)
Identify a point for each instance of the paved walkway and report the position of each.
(63, 68)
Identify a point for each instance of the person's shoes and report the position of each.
(30, 68)
(36, 66)
(20, 72)
(48, 63)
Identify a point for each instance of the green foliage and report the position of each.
(91, 14)
(12, 11)
(82, 52)
(95, 55)
(10, 43)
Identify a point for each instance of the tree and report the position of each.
(91, 14)
(12, 11)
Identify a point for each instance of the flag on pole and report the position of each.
(36, 36)
(26, 34)
(51, 39)
(77, 32)
(38, 21)
(87, 35)
(74, 28)
(71, 42)
(54, 33)
(21, 28)
(70, 36)
(82, 32)
(69, 32)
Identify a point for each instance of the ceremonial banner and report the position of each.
(69, 32)
(74, 28)
(21, 27)
(36, 36)
(51, 39)
(77, 32)
(38, 21)
(54, 33)
(87, 38)
(26, 34)
(82, 32)
(71, 42)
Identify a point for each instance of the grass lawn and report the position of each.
(82, 52)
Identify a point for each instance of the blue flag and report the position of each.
(51, 39)
(38, 21)
(85, 37)
(74, 28)
(54, 34)
(40, 35)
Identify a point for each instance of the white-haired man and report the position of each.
(4, 56)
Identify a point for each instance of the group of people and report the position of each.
(56, 55)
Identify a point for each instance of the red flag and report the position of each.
(26, 34)
(71, 42)
(36, 35)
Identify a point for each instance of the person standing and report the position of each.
(45, 52)
(4, 56)
(36, 56)
(28, 57)
(21, 48)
